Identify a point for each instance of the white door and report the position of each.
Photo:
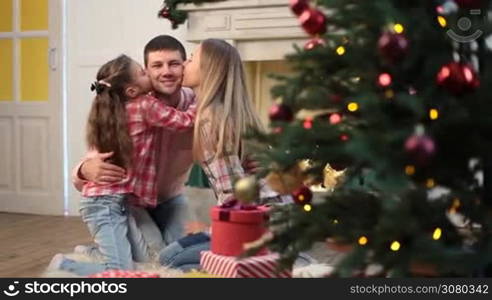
(31, 153)
(98, 31)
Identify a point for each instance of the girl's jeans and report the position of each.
(107, 220)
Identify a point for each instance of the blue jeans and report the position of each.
(184, 254)
(107, 220)
(146, 230)
(170, 218)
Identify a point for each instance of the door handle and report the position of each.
(52, 59)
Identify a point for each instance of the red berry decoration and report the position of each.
(313, 43)
(469, 3)
(421, 148)
(303, 195)
(313, 21)
(298, 6)
(164, 13)
(393, 47)
(458, 78)
(280, 112)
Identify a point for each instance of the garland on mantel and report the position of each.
(176, 16)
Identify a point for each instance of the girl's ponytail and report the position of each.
(107, 127)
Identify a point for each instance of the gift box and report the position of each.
(250, 267)
(234, 226)
(124, 274)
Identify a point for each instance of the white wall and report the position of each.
(97, 31)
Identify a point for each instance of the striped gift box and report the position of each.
(250, 267)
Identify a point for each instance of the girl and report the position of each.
(123, 120)
(225, 112)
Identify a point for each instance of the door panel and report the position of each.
(31, 142)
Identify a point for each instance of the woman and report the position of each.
(225, 112)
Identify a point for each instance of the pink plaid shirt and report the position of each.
(145, 115)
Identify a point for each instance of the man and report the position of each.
(164, 57)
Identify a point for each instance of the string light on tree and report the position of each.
(442, 21)
(335, 118)
(410, 170)
(308, 123)
(303, 195)
(430, 183)
(398, 28)
(437, 234)
(363, 241)
(384, 80)
(353, 107)
(341, 50)
(389, 94)
(433, 114)
(395, 246)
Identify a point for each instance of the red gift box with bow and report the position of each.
(234, 225)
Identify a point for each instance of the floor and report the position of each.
(29, 242)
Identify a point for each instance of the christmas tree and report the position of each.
(389, 111)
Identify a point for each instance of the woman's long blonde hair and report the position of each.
(223, 100)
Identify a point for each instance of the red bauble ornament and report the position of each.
(458, 78)
(313, 43)
(313, 21)
(303, 195)
(280, 112)
(421, 149)
(298, 6)
(393, 47)
(469, 4)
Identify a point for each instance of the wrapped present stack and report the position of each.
(235, 224)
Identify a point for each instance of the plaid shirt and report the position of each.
(223, 171)
(145, 115)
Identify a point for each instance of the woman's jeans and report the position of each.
(184, 254)
(107, 220)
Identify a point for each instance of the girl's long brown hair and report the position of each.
(107, 129)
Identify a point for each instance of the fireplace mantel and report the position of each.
(260, 29)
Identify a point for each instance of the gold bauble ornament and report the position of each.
(247, 190)
(286, 182)
(332, 177)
